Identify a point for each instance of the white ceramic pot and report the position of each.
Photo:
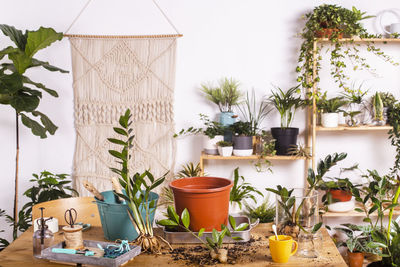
(343, 206)
(225, 151)
(330, 120)
(234, 208)
(242, 152)
(210, 145)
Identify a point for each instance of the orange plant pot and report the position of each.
(206, 198)
(356, 259)
(327, 33)
(340, 195)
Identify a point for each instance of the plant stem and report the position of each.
(396, 197)
(16, 176)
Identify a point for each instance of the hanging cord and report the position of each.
(155, 3)
(77, 17)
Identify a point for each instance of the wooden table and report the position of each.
(19, 253)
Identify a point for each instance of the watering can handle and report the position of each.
(380, 18)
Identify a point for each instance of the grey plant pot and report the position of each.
(242, 142)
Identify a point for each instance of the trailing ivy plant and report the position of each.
(20, 92)
(394, 135)
(334, 22)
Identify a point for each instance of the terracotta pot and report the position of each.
(206, 198)
(356, 259)
(327, 33)
(340, 195)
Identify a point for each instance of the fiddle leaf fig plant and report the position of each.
(19, 91)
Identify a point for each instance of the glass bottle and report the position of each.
(42, 238)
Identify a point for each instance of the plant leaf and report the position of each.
(166, 222)
(40, 39)
(200, 234)
(15, 35)
(185, 217)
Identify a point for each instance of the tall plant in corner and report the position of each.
(19, 91)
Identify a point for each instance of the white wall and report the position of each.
(252, 41)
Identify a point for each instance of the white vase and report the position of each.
(210, 145)
(330, 120)
(225, 151)
(234, 208)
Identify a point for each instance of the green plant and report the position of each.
(241, 192)
(352, 115)
(268, 149)
(335, 183)
(300, 150)
(388, 99)
(224, 144)
(287, 201)
(137, 187)
(358, 238)
(340, 22)
(212, 128)
(225, 96)
(265, 212)
(286, 104)
(394, 135)
(331, 105)
(214, 244)
(377, 107)
(241, 128)
(19, 91)
(253, 114)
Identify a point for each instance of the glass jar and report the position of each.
(42, 239)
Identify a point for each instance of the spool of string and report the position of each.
(73, 237)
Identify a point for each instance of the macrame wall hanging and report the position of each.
(111, 74)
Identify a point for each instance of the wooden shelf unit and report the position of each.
(312, 111)
(204, 157)
(354, 213)
(319, 128)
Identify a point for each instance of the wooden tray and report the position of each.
(82, 259)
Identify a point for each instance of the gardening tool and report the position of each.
(89, 187)
(276, 234)
(43, 237)
(72, 233)
(85, 252)
(70, 217)
(118, 189)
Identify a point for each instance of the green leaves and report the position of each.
(185, 218)
(15, 35)
(40, 39)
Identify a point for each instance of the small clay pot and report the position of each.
(356, 259)
(327, 33)
(206, 198)
(340, 195)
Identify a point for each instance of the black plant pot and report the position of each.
(242, 142)
(286, 138)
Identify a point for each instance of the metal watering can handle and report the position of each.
(385, 12)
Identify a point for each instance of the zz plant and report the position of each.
(242, 191)
(213, 244)
(137, 187)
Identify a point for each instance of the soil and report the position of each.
(199, 255)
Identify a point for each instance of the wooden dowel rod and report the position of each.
(123, 36)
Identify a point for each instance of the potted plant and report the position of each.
(265, 212)
(20, 92)
(377, 107)
(286, 104)
(338, 194)
(225, 96)
(225, 148)
(132, 218)
(388, 101)
(255, 114)
(240, 193)
(213, 132)
(357, 239)
(333, 22)
(357, 108)
(242, 138)
(330, 109)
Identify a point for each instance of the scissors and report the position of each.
(70, 217)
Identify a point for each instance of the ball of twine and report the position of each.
(73, 237)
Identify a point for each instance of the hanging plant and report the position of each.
(334, 22)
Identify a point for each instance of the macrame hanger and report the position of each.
(138, 36)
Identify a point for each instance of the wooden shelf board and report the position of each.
(359, 40)
(252, 157)
(356, 128)
(354, 213)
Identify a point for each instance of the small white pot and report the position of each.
(234, 208)
(210, 145)
(225, 151)
(330, 120)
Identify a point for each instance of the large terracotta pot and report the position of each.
(340, 195)
(206, 198)
(356, 259)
